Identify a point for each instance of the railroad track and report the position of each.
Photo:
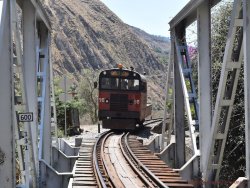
(102, 164)
(117, 153)
(119, 160)
(83, 170)
(89, 170)
(113, 169)
(153, 166)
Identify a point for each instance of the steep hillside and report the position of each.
(159, 45)
(86, 34)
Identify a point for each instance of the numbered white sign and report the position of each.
(25, 117)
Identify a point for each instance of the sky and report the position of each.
(151, 16)
(1, 5)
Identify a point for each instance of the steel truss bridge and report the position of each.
(25, 63)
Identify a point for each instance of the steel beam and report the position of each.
(178, 116)
(167, 99)
(7, 149)
(185, 72)
(29, 71)
(46, 84)
(246, 44)
(189, 13)
(200, 9)
(225, 95)
(41, 14)
(204, 77)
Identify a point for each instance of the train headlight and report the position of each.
(136, 101)
(106, 101)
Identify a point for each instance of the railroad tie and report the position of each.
(83, 171)
(158, 167)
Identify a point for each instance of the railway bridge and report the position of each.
(30, 134)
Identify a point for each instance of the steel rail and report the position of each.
(101, 142)
(152, 121)
(134, 168)
(99, 177)
(102, 156)
(155, 179)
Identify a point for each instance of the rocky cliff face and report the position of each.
(86, 34)
(159, 45)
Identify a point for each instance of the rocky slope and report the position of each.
(159, 45)
(86, 34)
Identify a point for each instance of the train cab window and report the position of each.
(130, 84)
(114, 83)
(124, 84)
(105, 83)
(109, 83)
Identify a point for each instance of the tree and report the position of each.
(72, 104)
(87, 93)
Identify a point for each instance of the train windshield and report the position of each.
(130, 84)
(109, 83)
(120, 84)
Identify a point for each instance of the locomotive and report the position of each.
(122, 99)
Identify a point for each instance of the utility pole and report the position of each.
(65, 108)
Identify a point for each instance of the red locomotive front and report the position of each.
(122, 99)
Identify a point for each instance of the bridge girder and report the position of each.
(200, 10)
(23, 55)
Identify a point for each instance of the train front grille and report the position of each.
(119, 102)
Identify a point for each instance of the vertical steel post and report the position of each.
(172, 83)
(204, 77)
(44, 45)
(7, 149)
(53, 105)
(65, 108)
(165, 113)
(29, 71)
(178, 115)
(166, 90)
(246, 45)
